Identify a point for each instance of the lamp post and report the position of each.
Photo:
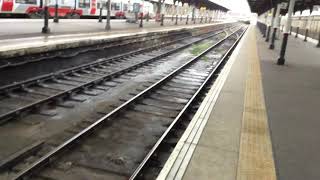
(281, 59)
(46, 28)
(275, 26)
(56, 17)
(100, 14)
(108, 27)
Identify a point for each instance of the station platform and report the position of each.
(23, 36)
(259, 120)
(22, 28)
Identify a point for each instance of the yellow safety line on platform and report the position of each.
(255, 157)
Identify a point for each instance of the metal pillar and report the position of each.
(266, 23)
(100, 15)
(56, 17)
(290, 30)
(180, 17)
(201, 19)
(266, 31)
(172, 18)
(281, 59)
(162, 17)
(46, 28)
(176, 23)
(187, 19)
(297, 32)
(271, 25)
(148, 17)
(141, 21)
(193, 16)
(275, 26)
(318, 45)
(108, 27)
(306, 35)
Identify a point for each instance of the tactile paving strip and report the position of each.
(255, 157)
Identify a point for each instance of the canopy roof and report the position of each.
(199, 3)
(261, 6)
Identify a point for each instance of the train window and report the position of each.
(125, 7)
(117, 6)
(66, 3)
(104, 5)
(26, 1)
(84, 3)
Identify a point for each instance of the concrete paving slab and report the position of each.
(293, 100)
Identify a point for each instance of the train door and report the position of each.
(7, 5)
(93, 7)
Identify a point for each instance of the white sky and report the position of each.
(234, 5)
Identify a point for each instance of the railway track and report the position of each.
(122, 143)
(45, 63)
(33, 95)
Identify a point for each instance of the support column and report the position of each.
(162, 17)
(281, 59)
(148, 17)
(308, 25)
(269, 27)
(297, 32)
(318, 45)
(306, 35)
(56, 16)
(176, 23)
(275, 26)
(141, 20)
(100, 14)
(46, 28)
(108, 27)
(266, 22)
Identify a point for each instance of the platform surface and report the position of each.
(263, 124)
(292, 96)
(227, 144)
(22, 28)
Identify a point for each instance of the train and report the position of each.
(75, 9)
(72, 9)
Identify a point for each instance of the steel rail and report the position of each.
(183, 111)
(4, 117)
(73, 140)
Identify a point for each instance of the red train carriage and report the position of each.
(67, 8)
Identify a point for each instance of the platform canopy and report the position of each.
(205, 3)
(261, 6)
(198, 3)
